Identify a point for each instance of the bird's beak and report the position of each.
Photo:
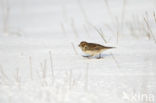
(79, 45)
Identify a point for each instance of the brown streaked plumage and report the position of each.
(92, 48)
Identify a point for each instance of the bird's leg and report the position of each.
(99, 57)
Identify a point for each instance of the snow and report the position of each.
(40, 60)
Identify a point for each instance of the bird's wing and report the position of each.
(92, 46)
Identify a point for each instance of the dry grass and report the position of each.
(117, 37)
(63, 29)
(109, 10)
(3, 75)
(149, 34)
(86, 77)
(140, 26)
(75, 51)
(113, 57)
(44, 72)
(74, 28)
(70, 80)
(154, 15)
(17, 76)
(100, 32)
(119, 24)
(133, 27)
(123, 14)
(30, 63)
(6, 13)
(51, 64)
(150, 30)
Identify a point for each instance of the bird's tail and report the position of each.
(109, 47)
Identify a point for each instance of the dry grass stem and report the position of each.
(30, 63)
(123, 14)
(74, 48)
(6, 13)
(45, 69)
(4, 76)
(117, 37)
(70, 79)
(17, 77)
(86, 77)
(154, 15)
(109, 10)
(100, 32)
(113, 57)
(51, 64)
(63, 29)
(44, 72)
(150, 30)
(74, 28)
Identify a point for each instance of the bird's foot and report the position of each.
(99, 57)
(87, 56)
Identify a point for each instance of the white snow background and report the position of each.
(40, 61)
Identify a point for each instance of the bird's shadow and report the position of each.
(102, 56)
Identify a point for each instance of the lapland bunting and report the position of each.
(93, 49)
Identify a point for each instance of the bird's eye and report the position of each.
(83, 45)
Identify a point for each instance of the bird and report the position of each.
(93, 49)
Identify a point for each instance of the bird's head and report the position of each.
(82, 44)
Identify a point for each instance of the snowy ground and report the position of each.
(40, 60)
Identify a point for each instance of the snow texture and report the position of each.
(40, 61)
